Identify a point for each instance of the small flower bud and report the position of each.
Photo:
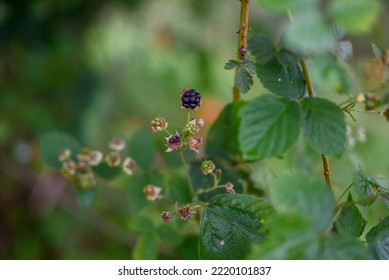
(184, 212)
(152, 192)
(218, 175)
(207, 167)
(230, 188)
(95, 158)
(68, 169)
(117, 145)
(200, 122)
(360, 98)
(129, 165)
(195, 143)
(166, 216)
(86, 181)
(82, 165)
(84, 155)
(370, 101)
(64, 154)
(173, 142)
(191, 128)
(386, 114)
(113, 159)
(158, 124)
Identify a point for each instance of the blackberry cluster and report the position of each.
(190, 99)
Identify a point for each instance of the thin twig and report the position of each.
(344, 192)
(326, 168)
(242, 39)
(365, 111)
(311, 93)
(187, 172)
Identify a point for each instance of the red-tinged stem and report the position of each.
(242, 39)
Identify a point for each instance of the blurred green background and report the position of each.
(102, 69)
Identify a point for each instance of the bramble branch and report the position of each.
(242, 39)
(311, 93)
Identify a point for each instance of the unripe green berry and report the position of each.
(86, 181)
(158, 124)
(207, 167)
(191, 128)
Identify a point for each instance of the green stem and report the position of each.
(365, 111)
(311, 93)
(187, 172)
(242, 39)
(326, 170)
(344, 192)
(215, 181)
(201, 191)
(167, 131)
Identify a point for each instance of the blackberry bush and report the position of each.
(252, 204)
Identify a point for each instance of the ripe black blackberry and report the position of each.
(190, 99)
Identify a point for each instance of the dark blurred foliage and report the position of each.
(48, 82)
(45, 84)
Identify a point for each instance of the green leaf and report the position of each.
(229, 225)
(365, 188)
(338, 247)
(350, 221)
(107, 172)
(50, 144)
(378, 240)
(288, 58)
(269, 126)
(324, 126)
(170, 235)
(222, 138)
(249, 65)
(283, 80)
(307, 196)
(231, 64)
(330, 76)
(309, 33)
(243, 79)
(177, 186)
(136, 196)
(356, 16)
(262, 48)
(146, 248)
(283, 5)
(141, 148)
(141, 224)
(376, 50)
(85, 197)
(292, 237)
(385, 197)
